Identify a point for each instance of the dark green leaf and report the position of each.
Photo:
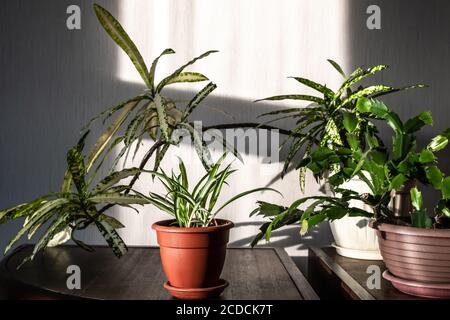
(435, 176)
(350, 121)
(416, 123)
(426, 156)
(337, 67)
(421, 219)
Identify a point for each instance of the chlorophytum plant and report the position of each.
(195, 207)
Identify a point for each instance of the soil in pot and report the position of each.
(418, 259)
(193, 258)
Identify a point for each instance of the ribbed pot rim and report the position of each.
(165, 226)
(411, 231)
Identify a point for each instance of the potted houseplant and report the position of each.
(193, 243)
(151, 114)
(325, 123)
(414, 248)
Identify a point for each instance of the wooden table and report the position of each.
(253, 274)
(337, 277)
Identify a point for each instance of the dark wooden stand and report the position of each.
(256, 274)
(337, 277)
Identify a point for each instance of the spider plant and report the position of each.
(323, 121)
(195, 207)
(76, 209)
(383, 172)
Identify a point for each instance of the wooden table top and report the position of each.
(253, 274)
(334, 276)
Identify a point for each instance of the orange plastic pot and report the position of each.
(193, 257)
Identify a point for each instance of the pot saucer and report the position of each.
(420, 289)
(196, 293)
(358, 254)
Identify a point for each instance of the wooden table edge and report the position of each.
(358, 290)
(302, 284)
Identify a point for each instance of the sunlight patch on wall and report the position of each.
(261, 42)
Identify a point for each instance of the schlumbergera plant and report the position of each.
(151, 114)
(322, 122)
(383, 171)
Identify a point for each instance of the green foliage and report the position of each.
(150, 114)
(330, 117)
(195, 207)
(76, 209)
(366, 157)
(419, 216)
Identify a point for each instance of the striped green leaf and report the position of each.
(162, 117)
(38, 214)
(109, 133)
(316, 86)
(113, 222)
(198, 98)
(113, 239)
(117, 198)
(103, 140)
(118, 34)
(77, 169)
(364, 93)
(357, 76)
(160, 153)
(294, 97)
(187, 77)
(337, 67)
(416, 86)
(58, 225)
(168, 79)
(151, 74)
(114, 178)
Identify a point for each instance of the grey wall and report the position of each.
(414, 42)
(53, 80)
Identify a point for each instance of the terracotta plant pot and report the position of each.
(193, 257)
(418, 259)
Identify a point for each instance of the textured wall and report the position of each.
(53, 80)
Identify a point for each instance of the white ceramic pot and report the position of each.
(352, 235)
